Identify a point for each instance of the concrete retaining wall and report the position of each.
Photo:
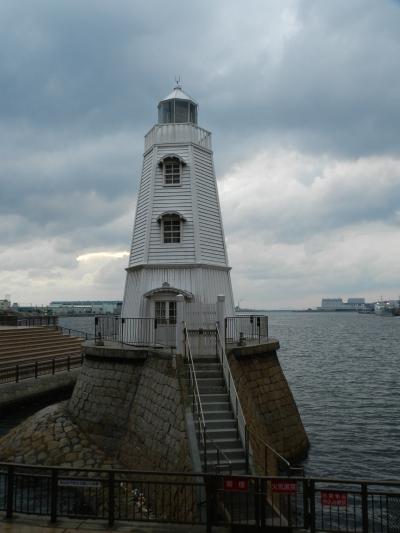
(267, 401)
(13, 394)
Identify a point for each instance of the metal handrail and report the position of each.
(200, 413)
(75, 333)
(15, 372)
(241, 425)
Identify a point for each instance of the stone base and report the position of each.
(50, 437)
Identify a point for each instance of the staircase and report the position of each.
(221, 426)
(26, 345)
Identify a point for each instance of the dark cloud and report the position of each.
(80, 82)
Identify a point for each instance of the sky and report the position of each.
(303, 101)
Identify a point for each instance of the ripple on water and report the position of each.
(344, 372)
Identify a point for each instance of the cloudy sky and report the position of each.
(302, 97)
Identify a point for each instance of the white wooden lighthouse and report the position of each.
(178, 244)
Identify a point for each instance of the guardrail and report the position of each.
(20, 371)
(310, 504)
(136, 331)
(269, 455)
(239, 329)
(76, 333)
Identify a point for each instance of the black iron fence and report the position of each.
(28, 321)
(84, 335)
(195, 498)
(23, 370)
(239, 329)
(136, 331)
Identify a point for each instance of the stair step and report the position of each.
(237, 466)
(223, 433)
(233, 454)
(216, 406)
(218, 415)
(209, 374)
(221, 424)
(211, 398)
(224, 444)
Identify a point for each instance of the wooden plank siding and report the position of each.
(137, 254)
(172, 198)
(211, 238)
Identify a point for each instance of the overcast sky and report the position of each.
(302, 98)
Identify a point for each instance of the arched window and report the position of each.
(171, 228)
(172, 169)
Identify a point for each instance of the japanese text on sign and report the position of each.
(283, 486)
(236, 484)
(331, 497)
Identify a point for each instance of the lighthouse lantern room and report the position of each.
(178, 245)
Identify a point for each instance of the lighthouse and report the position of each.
(178, 250)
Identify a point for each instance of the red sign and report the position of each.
(236, 484)
(334, 497)
(283, 486)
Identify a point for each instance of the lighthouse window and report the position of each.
(171, 229)
(172, 171)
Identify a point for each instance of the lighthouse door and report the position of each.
(165, 313)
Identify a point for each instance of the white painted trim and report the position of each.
(151, 204)
(178, 265)
(195, 210)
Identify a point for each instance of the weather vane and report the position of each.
(178, 81)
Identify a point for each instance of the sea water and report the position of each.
(344, 372)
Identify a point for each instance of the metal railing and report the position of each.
(309, 504)
(20, 371)
(84, 335)
(239, 329)
(28, 321)
(135, 331)
(198, 413)
(249, 439)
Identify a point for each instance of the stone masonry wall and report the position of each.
(268, 403)
(156, 434)
(102, 399)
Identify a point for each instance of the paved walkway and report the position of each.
(38, 525)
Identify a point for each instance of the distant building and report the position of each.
(337, 304)
(5, 305)
(85, 307)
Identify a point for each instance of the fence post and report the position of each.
(17, 373)
(364, 506)
(179, 321)
(306, 506)
(36, 369)
(53, 495)
(311, 495)
(53, 366)
(111, 516)
(68, 363)
(10, 492)
(211, 500)
(221, 317)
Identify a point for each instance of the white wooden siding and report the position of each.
(137, 255)
(168, 198)
(205, 283)
(211, 237)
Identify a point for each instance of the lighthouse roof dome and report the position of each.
(179, 94)
(177, 108)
